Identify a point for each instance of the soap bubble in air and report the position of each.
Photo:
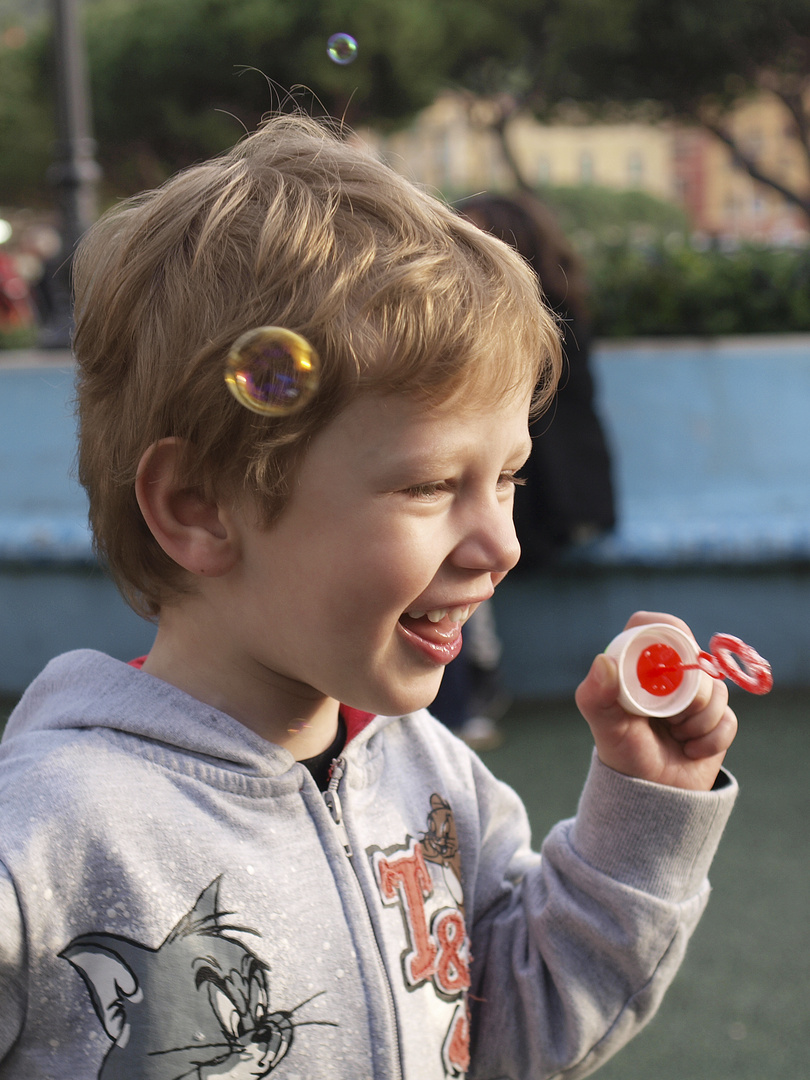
(341, 48)
(272, 371)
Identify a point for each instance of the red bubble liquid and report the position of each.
(659, 670)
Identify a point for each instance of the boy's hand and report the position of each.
(683, 751)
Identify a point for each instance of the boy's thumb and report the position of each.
(600, 687)
(605, 672)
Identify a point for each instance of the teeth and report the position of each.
(457, 614)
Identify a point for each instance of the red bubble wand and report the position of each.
(660, 668)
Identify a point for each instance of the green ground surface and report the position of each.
(738, 1009)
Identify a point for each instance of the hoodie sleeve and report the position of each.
(574, 949)
(12, 965)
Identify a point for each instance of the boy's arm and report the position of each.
(12, 965)
(574, 954)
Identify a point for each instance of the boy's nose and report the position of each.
(490, 543)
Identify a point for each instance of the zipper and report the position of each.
(332, 800)
(333, 803)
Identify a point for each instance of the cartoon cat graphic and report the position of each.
(195, 1008)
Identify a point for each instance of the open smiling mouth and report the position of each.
(436, 634)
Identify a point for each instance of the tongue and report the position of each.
(438, 633)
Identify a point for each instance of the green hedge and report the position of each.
(648, 279)
(678, 290)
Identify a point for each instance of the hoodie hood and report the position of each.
(86, 689)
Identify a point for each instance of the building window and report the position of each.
(543, 170)
(635, 169)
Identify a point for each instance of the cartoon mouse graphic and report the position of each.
(440, 846)
(195, 1008)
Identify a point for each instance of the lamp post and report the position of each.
(74, 172)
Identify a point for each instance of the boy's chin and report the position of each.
(403, 700)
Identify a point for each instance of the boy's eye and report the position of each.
(510, 479)
(506, 480)
(426, 491)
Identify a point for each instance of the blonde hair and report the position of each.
(293, 227)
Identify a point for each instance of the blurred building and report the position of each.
(721, 197)
(452, 148)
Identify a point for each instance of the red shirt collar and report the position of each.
(355, 720)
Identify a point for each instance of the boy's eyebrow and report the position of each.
(407, 461)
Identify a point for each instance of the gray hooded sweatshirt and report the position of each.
(179, 900)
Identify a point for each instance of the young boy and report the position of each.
(208, 866)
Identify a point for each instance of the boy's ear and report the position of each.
(194, 531)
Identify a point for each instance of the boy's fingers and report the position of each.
(704, 712)
(599, 690)
(714, 742)
(707, 688)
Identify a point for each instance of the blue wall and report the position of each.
(42, 510)
(711, 445)
(52, 595)
(711, 449)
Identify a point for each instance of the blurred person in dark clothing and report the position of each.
(567, 498)
(568, 495)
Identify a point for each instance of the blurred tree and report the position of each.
(174, 82)
(26, 124)
(687, 59)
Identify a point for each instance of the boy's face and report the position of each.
(399, 525)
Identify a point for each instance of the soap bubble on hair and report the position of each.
(341, 49)
(272, 371)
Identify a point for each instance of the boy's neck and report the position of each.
(279, 710)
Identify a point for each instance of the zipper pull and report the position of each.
(332, 800)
